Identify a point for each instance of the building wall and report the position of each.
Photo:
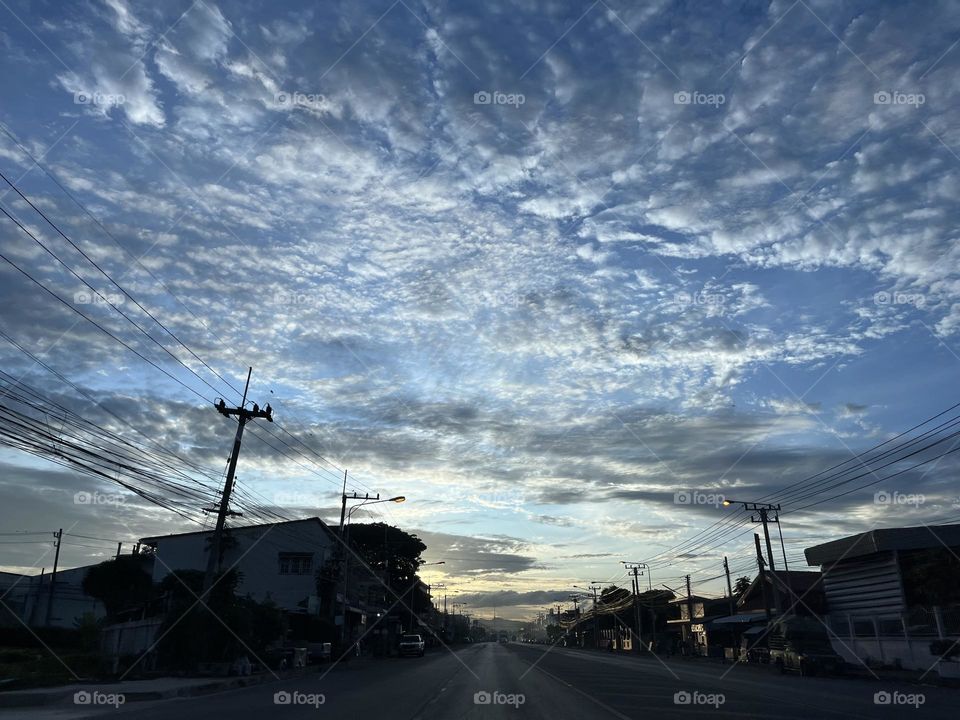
(868, 585)
(70, 604)
(257, 555)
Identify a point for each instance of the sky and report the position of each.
(539, 267)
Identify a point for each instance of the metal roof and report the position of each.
(235, 529)
(883, 540)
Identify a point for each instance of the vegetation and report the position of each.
(191, 633)
(119, 584)
(741, 585)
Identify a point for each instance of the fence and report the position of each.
(894, 639)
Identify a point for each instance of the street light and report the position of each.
(345, 539)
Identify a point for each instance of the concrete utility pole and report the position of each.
(689, 613)
(53, 577)
(763, 509)
(637, 612)
(243, 415)
(773, 570)
(576, 620)
(726, 570)
(596, 615)
(763, 582)
(343, 501)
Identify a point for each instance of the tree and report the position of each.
(390, 551)
(119, 584)
(931, 577)
(742, 584)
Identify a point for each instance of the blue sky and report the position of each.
(537, 266)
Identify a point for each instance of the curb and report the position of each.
(17, 699)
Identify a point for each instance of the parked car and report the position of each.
(411, 645)
(799, 643)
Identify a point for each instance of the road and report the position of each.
(534, 681)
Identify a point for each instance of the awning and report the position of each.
(737, 621)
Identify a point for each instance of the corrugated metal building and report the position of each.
(869, 582)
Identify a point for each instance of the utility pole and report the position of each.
(763, 509)
(243, 415)
(344, 561)
(726, 570)
(343, 501)
(576, 620)
(53, 576)
(786, 570)
(596, 615)
(637, 612)
(763, 583)
(119, 545)
(689, 615)
(773, 570)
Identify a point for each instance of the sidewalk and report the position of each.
(141, 690)
(852, 670)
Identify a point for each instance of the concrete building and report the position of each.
(277, 562)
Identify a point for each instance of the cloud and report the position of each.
(537, 321)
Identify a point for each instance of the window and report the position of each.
(296, 563)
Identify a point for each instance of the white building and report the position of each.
(29, 598)
(278, 562)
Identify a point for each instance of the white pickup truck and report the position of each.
(411, 645)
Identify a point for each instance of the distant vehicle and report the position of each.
(411, 645)
(799, 643)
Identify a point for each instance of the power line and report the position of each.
(106, 300)
(94, 322)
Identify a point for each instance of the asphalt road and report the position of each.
(534, 681)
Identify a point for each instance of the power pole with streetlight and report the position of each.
(345, 518)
